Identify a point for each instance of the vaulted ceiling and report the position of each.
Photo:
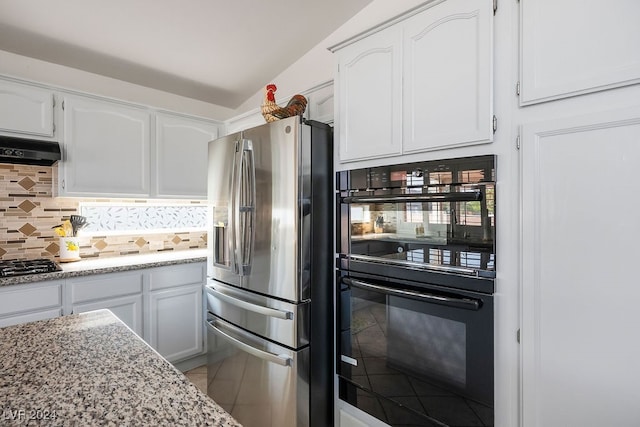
(216, 51)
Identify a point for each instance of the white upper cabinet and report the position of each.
(369, 85)
(320, 104)
(570, 48)
(448, 76)
(109, 150)
(181, 156)
(425, 82)
(26, 109)
(106, 149)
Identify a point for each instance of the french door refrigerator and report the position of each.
(269, 288)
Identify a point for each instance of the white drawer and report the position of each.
(176, 275)
(23, 298)
(105, 286)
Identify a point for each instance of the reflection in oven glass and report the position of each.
(395, 363)
(445, 257)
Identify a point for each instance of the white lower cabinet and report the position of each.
(174, 310)
(127, 308)
(28, 303)
(119, 292)
(163, 305)
(175, 319)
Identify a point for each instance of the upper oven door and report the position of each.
(424, 348)
(422, 215)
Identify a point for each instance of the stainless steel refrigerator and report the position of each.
(270, 284)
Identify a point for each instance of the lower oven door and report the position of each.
(260, 383)
(416, 355)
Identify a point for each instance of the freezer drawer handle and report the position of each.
(272, 312)
(466, 303)
(280, 359)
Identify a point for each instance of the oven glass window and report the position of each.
(443, 233)
(438, 213)
(418, 355)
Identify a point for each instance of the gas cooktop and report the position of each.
(19, 267)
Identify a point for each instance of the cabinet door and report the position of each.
(106, 149)
(176, 322)
(321, 103)
(27, 303)
(242, 122)
(448, 78)
(127, 308)
(369, 86)
(579, 287)
(26, 109)
(181, 156)
(572, 47)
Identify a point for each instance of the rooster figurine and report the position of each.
(272, 111)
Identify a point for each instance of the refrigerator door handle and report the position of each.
(233, 215)
(266, 311)
(280, 359)
(244, 206)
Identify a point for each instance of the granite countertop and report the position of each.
(90, 369)
(90, 266)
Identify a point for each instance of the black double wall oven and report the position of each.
(416, 269)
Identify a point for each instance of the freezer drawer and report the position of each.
(261, 384)
(279, 321)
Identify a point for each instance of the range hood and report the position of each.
(25, 151)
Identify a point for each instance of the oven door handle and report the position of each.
(466, 196)
(465, 303)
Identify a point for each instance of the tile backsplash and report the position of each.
(28, 213)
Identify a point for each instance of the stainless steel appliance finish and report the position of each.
(259, 382)
(259, 187)
(278, 320)
(270, 275)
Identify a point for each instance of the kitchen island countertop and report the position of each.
(90, 369)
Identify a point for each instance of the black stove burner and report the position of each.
(19, 267)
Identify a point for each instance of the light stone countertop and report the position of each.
(90, 369)
(91, 266)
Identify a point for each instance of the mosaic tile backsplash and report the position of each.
(28, 213)
(120, 217)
